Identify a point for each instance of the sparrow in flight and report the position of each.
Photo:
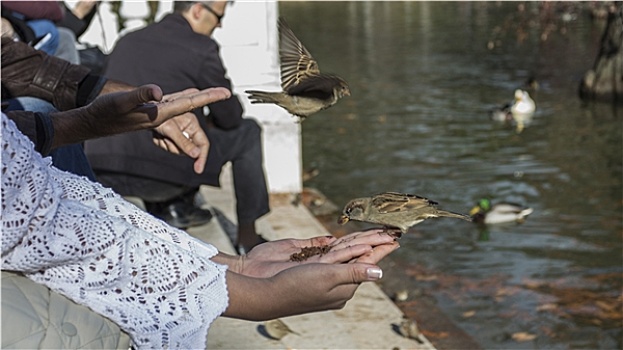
(305, 90)
(394, 210)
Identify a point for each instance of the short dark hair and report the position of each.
(183, 6)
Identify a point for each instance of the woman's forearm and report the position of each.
(297, 290)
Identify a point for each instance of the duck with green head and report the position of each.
(486, 213)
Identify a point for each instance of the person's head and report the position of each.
(203, 16)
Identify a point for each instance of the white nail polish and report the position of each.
(374, 273)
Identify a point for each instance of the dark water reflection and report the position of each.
(423, 79)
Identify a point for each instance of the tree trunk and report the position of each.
(605, 81)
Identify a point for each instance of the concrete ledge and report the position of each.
(369, 320)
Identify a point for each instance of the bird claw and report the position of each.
(392, 231)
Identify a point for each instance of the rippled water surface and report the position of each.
(423, 77)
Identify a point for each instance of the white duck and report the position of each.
(522, 109)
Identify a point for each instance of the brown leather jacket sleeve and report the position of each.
(29, 72)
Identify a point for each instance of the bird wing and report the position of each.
(297, 64)
(315, 86)
(391, 202)
(506, 208)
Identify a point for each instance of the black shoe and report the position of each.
(179, 213)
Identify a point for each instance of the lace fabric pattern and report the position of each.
(89, 244)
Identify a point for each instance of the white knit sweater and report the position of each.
(87, 243)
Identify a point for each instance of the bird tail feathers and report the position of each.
(454, 215)
(262, 96)
(525, 212)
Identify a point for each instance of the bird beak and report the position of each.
(474, 211)
(342, 220)
(347, 92)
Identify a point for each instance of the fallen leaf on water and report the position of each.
(596, 322)
(547, 307)
(504, 291)
(523, 336)
(435, 335)
(469, 314)
(605, 305)
(426, 277)
(532, 284)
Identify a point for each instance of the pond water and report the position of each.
(423, 78)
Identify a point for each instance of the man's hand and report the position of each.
(133, 110)
(183, 134)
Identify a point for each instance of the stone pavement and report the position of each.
(369, 321)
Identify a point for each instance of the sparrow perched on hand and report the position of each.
(394, 210)
(305, 90)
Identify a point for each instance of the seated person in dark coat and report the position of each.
(178, 53)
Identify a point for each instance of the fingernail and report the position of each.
(374, 273)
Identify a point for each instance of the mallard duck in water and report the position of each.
(499, 213)
(502, 114)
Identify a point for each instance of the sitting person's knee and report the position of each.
(251, 127)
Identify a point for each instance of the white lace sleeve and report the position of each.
(84, 241)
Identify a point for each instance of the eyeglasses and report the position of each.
(218, 17)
